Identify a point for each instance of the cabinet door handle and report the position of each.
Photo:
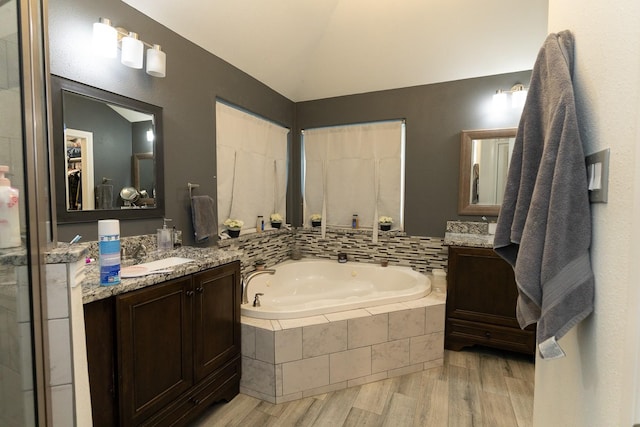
(487, 334)
(195, 401)
(189, 293)
(200, 290)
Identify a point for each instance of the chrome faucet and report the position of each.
(139, 252)
(248, 278)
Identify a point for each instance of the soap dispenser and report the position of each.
(165, 236)
(9, 216)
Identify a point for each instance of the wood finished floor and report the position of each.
(475, 387)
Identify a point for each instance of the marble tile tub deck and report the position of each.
(289, 359)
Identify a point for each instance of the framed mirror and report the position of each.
(484, 163)
(105, 145)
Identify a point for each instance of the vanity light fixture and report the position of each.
(500, 100)
(132, 51)
(156, 61)
(105, 38)
(105, 43)
(518, 96)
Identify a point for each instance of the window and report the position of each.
(251, 166)
(354, 169)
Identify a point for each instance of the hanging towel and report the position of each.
(203, 217)
(544, 226)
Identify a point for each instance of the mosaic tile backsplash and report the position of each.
(420, 253)
(423, 254)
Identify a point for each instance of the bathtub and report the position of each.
(311, 287)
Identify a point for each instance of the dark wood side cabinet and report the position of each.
(160, 355)
(481, 302)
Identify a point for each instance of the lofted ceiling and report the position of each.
(313, 49)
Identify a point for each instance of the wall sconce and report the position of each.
(105, 43)
(518, 96)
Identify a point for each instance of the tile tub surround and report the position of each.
(271, 246)
(423, 254)
(284, 360)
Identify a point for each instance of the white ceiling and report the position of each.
(312, 49)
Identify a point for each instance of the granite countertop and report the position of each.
(204, 258)
(468, 233)
(468, 239)
(62, 253)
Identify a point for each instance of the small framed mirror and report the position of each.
(484, 163)
(105, 144)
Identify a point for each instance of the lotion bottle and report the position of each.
(9, 212)
(165, 236)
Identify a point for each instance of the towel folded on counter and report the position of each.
(203, 217)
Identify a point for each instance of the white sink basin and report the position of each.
(160, 266)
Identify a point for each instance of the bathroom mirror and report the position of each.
(104, 142)
(484, 163)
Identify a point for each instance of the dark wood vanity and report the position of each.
(481, 302)
(160, 355)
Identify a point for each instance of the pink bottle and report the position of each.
(9, 212)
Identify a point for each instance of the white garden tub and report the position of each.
(311, 287)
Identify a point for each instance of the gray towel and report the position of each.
(544, 226)
(203, 217)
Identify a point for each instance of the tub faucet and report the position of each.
(256, 299)
(246, 279)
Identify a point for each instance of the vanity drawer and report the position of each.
(222, 385)
(460, 333)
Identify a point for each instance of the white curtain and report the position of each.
(251, 166)
(355, 169)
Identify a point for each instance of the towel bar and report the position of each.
(191, 187)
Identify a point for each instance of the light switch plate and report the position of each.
(599, 195)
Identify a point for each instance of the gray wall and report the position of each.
(194, 79)
(435, 115)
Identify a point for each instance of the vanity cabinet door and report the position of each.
(481, 302)
(216, 325)
(154, 342)
(100, 325)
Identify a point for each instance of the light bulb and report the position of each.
(105, 39)
(499, 100)
(132, 51)
(518, 98)
(156, 61)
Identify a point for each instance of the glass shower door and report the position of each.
(22, 360)
(17, 403)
